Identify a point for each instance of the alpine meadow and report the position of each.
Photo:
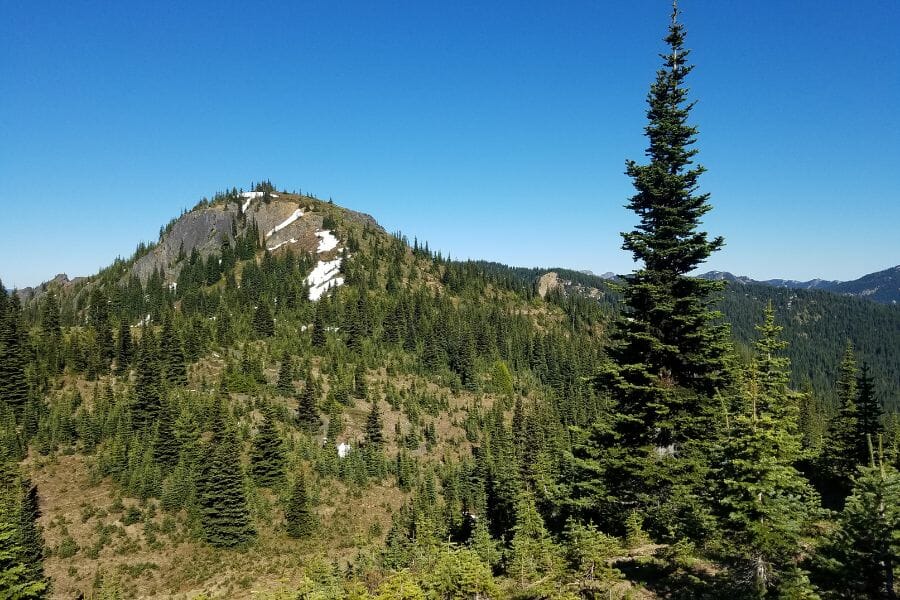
(280, 399)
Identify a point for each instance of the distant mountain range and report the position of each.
(882, 287)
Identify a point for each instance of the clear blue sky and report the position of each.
(495, 130)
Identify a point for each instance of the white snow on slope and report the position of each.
(249, 197)
(294, 216)
(279, 245)
(327, 241)
(324, 277)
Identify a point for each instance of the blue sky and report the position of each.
(495, 130)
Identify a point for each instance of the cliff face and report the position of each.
(204, 229)
(284, 222)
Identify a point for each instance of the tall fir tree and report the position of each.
(30, 534)
(869, 412)
(224, 511)
(668, 356)
(285, 384)
(308, 405)
(840, 455)
(299, 516)
(375, 428)
(267, 458)
(124, 348)
(13, 385)
(171, 355)
(263, 323)
(147, 383)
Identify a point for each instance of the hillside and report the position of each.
(817, 323)
(409, 399)
(283, 308)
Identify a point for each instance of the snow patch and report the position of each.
(324, 277)
(249, 196)
(279, 245)
(327, 241)
(294, 216)
(343, 450)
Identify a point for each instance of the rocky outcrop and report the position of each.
(204, 229)
(548, 282)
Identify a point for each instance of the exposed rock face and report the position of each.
(547, 283)
(204, 229)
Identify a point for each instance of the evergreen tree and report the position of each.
(285, 384)
(13, 385)
(318, 333)
(360, 387)
(869, 413)
(224, 329)
(862, 556)
(667, 355)
(267, 458)
(166, 447)
(532, 557)
(147, 384)
(30, 532)
(51, 333)
(263, 323)
(224, 512)
(299, 516)
(766, 503)
(308, 406)
(16, 582)
(374, 429)
(21, 547)
(171, 350)
(124, 348)
(840, 456)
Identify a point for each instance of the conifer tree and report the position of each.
(308, 405)
(171, 352)
(166, 447)
(318, 333)
(532, 554)
(15, 580)
(51, 333)
(300, 519)
(667, 355)
(147, 384)
(267, 458)
(840, 455)
(869, 413)
(13, 385)
(374, 429)
(285, 384)
(124, 349)
(767, 505)
(224, 328)
(263, 323)
(224, 512)
(360, 387)
(30, 532)
(21, 547)
(863, 554)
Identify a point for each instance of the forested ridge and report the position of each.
(429, 428)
